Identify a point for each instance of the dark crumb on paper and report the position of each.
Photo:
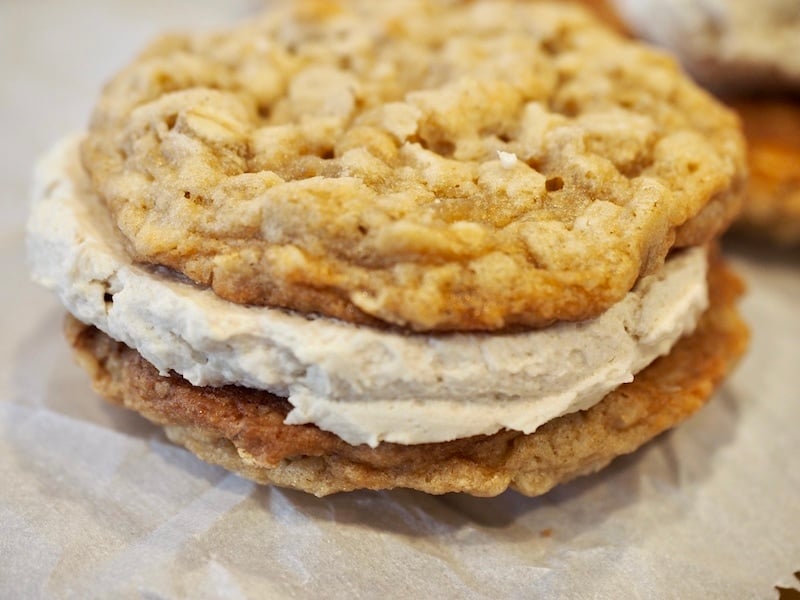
(789, 593)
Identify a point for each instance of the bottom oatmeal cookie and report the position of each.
(244, 431)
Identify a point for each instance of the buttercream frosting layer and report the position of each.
(364, 384)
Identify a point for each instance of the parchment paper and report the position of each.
(95, 503)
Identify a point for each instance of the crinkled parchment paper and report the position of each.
(94, 502)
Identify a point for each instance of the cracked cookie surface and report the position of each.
(435, 165)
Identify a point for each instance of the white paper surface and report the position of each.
(94, 502)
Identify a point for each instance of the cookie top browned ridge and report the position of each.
(435, 165)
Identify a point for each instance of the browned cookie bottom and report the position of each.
(243, 430)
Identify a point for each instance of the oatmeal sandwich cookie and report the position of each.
(451, 246)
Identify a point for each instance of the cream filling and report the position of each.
(363, 384)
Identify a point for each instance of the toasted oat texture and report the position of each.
(772, 206)
(243, 429)
(436, 165)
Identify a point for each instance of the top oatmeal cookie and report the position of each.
(438, 165)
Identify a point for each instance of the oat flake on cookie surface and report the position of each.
(435, 165)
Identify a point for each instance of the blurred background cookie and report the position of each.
(726, 45)
(772, 208)
(749, 55)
